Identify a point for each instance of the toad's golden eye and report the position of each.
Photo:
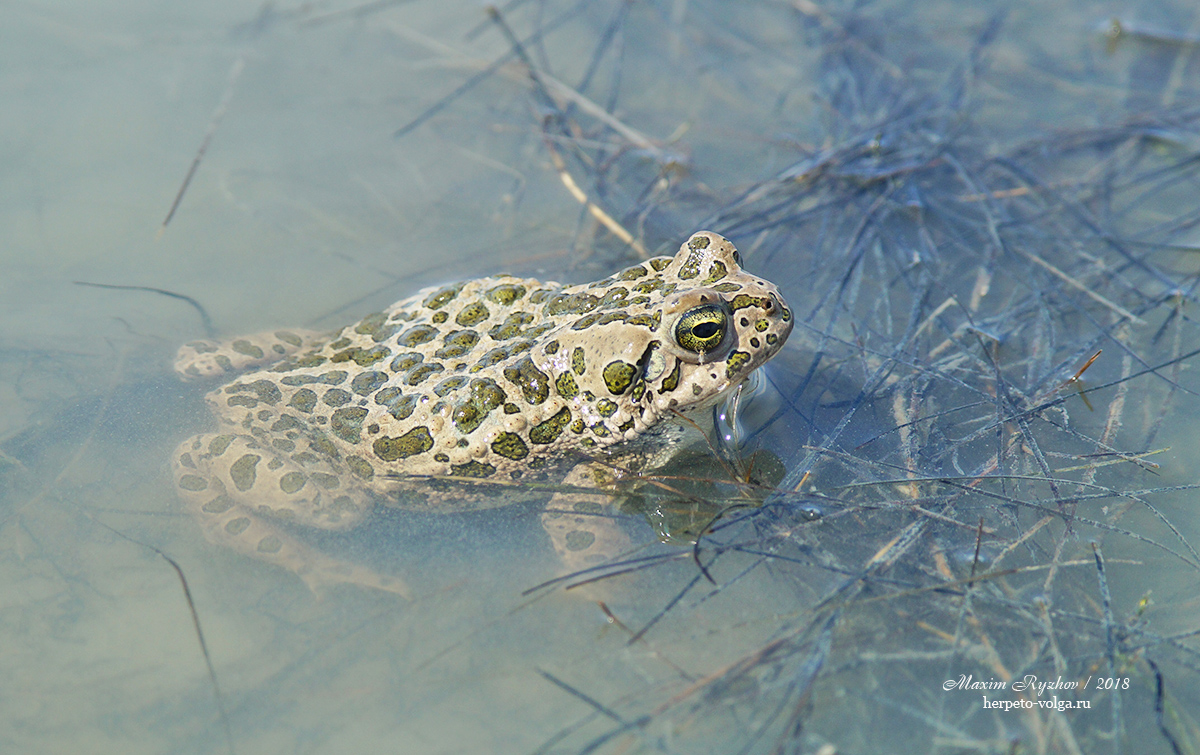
(702, 329)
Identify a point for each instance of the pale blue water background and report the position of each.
(306, 211)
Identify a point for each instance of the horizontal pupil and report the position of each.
(705, 330)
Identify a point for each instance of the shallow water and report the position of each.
(307, 210)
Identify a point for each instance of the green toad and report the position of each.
(496, 379)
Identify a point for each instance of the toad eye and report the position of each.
(702, 329)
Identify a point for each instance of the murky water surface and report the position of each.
(962, 207)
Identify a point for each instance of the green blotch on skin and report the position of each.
(578, 540)
(421, 372)
(336, 397)
(302, 362)
(289, 338)
(565, 384)
(587, 321)
(405, 362)
(322, 445)
(366, 383)
(346, 423)
(371, 323)
(618, 376)
(400, 407)
(614, 297)
(572, 304)
(442, 296)
(449, 385)
(286, 423)
(482, 397)
(578, 360)
(292, 482)
(417, 335)
(737, 360)
(220, 444)
(649, 286)
(192, 482)
(493, 357)
(548, 431)
(510, 446)
(243, 472)
(650, 322)
(511, 327)
(237, 526)
(304, 400)
(715, 273)
(246, 348)
(472, 314)
(415, 441)
(362, 357)
(741, 301)
(691, 266)
(534, 384)
(505, 293)
(671, 381)
(270, 544)
(264, 390)
(632, 273)
(458, 343)
(472, 469)
(387, 397)
(218, 505)
(325, 480)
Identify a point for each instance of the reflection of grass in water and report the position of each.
(966, 501)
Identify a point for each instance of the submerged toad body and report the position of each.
(499, 379)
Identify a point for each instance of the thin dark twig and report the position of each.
(235, 73)
(665, 609)
(218, 695)
(209, 330)
(483, 75)
(1110, 634)
(1159, 706)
